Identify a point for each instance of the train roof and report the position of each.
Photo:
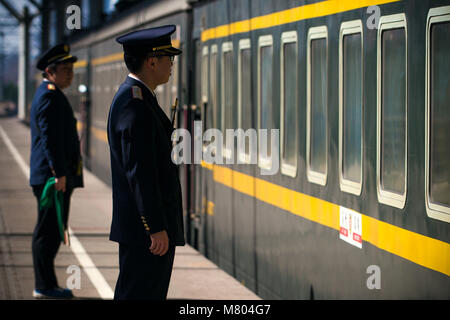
(129, 20)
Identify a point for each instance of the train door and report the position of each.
(208, 97)
(176, 95)
(204, 177)
(200, 204)
(195, 170)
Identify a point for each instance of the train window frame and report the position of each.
(348, 28)
(389, 22)
(287, 169)
(244, 44)
(434, 210)
(226, 47)
(263, 41)
(204, 89)
(214, 50)
(315, 33)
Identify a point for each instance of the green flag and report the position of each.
(51, 197)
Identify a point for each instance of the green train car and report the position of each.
(357, 204)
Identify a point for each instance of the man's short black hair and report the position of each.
(134, 63)
(51, 66)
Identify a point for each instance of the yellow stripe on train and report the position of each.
(425, 251)
(308, 11)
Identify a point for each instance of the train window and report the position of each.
(350, 106)
(204, 71)
(204, 89)
(316, 100)
(227, 94)
(265, 102)
(392, 110)
(217, 116)
(198, 72)
(288, 103)
(437, 153)
(244, 95)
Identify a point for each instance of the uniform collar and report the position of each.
(136, 78)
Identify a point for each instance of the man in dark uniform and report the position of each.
(55, 152)
(147, 207)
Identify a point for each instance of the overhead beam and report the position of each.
(37, 5)
(11, 10)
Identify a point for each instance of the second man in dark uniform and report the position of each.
(55, 152)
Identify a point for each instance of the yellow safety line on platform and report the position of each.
(313, 10)
(425, 251)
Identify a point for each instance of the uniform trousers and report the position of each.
(142, 274)
(46, 241)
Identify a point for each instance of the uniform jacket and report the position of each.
(145, 182)
(54, 138)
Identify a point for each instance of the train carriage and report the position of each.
(348, 99)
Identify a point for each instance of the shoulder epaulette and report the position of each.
(137, 92)
(51, 86)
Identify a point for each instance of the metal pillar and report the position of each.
(24, 52)
(24, 49)
(2, 66)
(45, 17)
(95, 10)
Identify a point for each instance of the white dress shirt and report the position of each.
(136, 78)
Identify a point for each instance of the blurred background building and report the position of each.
(30, 27)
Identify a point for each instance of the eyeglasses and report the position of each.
(171, 57)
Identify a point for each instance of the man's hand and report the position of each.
(160, 243)
(60, 184)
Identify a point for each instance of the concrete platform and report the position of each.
(193, 277)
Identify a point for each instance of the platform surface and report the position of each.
(91, 254)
